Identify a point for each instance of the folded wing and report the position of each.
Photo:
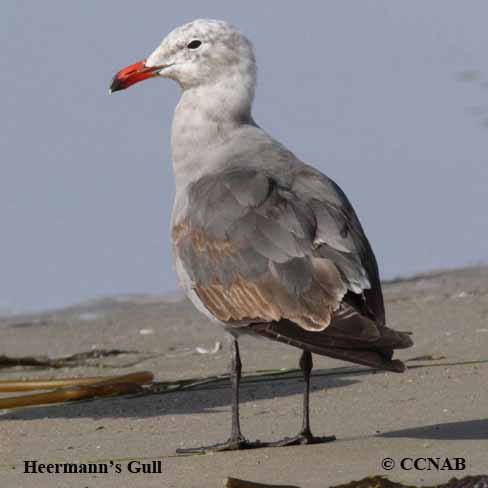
(260, 251)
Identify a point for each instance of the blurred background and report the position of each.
(390, 99)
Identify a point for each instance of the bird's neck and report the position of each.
(205, 118)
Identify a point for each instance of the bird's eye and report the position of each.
(194, 44)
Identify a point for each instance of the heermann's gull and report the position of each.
(264, 244)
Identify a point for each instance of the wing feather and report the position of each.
(287, 259)
(247, 245)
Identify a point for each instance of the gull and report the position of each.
(264, 244)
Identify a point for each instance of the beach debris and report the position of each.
(146, 331)
(89, 316)
(214, 350)
(428, 357)
(88, 358)
(29, 323)
(71, 389)
(383, 482)
(238, 483)
(371, 482)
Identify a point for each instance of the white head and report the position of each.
(215, 66)
(202, 52)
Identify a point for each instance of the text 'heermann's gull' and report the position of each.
(264, 244)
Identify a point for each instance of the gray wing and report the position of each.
(340, 237)
(257, 250)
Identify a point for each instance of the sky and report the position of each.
(390, 99)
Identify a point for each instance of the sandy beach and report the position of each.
(437, 409)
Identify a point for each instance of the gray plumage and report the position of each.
(245, 224)
(259, 236)
(264, 244)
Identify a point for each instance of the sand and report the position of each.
(437, 409)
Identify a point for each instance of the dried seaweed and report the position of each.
(237, 483)
(75, 360)
(372, 482)
(383, 482)
(427, 357)
(73, 389)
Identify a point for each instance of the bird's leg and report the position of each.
(305, 436)
(236, 439)
(235, 379)
(306, 365)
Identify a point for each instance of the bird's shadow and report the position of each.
(463, 430)
(216, 395)
(208, 397)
